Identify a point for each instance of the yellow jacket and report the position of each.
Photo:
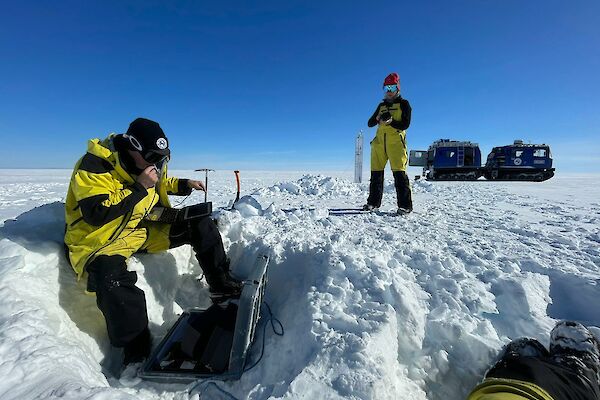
(105, 205)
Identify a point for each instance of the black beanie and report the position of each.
(149, 135)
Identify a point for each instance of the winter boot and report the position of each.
(524, 347)
(513, 352)
(375, 190)
(130, 374)
(215, 266)
(138, 349)
(135, 353)
(403, 193)
(221, 284)
(226, 267)
(573, 345)
(222, 287)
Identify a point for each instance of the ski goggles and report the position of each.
(155, 158)
(151, 156)
(390, 88)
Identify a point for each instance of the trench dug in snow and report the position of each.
(372, 305)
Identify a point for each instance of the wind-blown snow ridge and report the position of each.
(374, 306)
(313, 185)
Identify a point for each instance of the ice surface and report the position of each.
(374, 306)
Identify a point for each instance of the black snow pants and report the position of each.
(401, 183)
(124, 305)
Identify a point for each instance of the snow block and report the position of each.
(206, 343)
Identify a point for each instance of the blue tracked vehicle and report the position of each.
(449, 160)
(519, 162)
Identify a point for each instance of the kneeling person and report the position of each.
(113, 187)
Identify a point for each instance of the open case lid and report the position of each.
(214, 341)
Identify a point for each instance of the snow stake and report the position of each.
(358, 158)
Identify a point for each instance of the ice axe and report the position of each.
(206, 171)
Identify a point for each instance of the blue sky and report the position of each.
(287, 85)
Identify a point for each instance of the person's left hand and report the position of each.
(196, 185)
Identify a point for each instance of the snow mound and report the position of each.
(248, 206)
(314, 185)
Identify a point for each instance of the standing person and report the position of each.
(393, 117)
(527, 371)
(113, 188)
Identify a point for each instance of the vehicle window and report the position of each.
(539, 153)
(469, 156)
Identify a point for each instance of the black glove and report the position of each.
(386, 116)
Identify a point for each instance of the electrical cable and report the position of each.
(184, 199)
(213, 381)
(272, 320)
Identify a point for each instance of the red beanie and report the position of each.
(392, 79)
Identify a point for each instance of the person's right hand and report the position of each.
(148, 177)
(385, 118)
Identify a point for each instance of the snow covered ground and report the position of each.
(374, 306)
